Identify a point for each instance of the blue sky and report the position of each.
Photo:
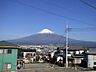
(20, 18)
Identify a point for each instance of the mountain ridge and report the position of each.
(50, 39)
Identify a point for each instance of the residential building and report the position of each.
(8, 57)
(90, 58)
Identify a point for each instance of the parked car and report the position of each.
(26, 61)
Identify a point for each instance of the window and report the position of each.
(1, 51)
(7, 51)
(94, 63)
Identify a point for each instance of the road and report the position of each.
(45, 67)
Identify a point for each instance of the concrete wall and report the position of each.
(90, 61)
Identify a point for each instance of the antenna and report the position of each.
(66, 45)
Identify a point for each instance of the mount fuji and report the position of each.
(46, 31)
(48, 37)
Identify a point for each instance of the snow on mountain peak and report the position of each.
(45, 31)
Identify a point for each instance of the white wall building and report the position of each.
(90, 59)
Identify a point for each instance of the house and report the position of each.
(28, 51)
(77, 59)
(8, 57)
(26, 54)
(90, 58)
(75, 55)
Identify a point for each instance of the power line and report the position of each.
(88, 29)
(56, 5)
(68, 10)
(88, 4)
(70, 29)
(52, 13)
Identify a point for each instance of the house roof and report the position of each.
(90, 53)
(72, 48)
(4, 47)
(28, 50)
(78, 56)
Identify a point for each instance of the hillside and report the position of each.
(53, 39)
(5, 43)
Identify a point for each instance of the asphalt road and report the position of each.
(45, 67)
(37, 65)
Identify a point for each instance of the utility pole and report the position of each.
(66, 45)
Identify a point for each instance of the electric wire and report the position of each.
(88, 4)
(52, 13)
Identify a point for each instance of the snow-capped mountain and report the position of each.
(47, 37)
(46, 31)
